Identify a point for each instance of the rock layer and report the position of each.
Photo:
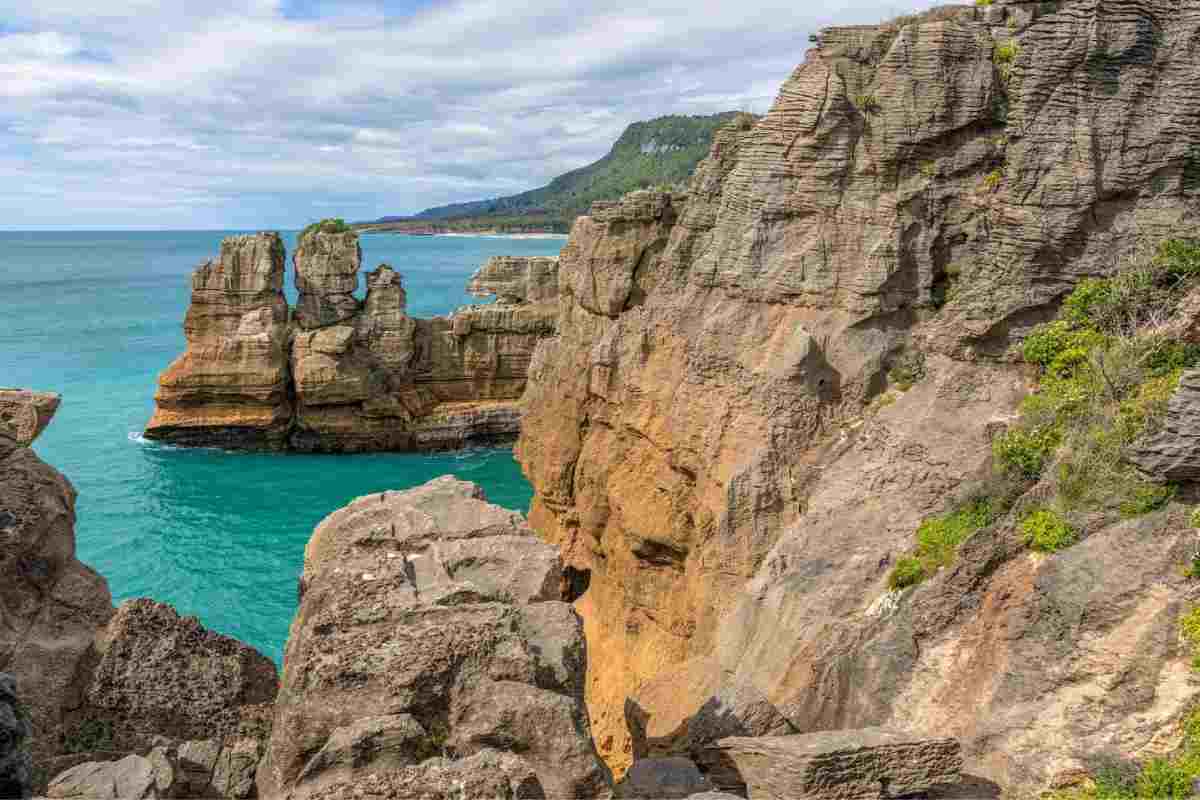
(704, 415)
(345, 376)
(430, 625)
(1173, 454)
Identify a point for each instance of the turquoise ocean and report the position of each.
(96, 317)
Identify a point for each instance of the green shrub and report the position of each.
(907, 370)
(984, 3)
(992, 180)
(88, 735)
(1143, 497)
(866, 103)
(1161, 778)
(907, 572)
(938, 539)
(1195, 518)
(1044, 530)
(1179, 258)
(1006, 52)
(330, 225)
(1048, 341)
(1025, 452)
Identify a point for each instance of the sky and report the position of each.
(273, 113)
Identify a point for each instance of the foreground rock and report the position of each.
(16, 767)
(51, 605)
(720, 357)
(662, 779)
(431, 625)
(833, 765)
(347, 375)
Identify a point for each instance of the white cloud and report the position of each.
(245, 113)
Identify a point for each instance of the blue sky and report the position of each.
(271, 113)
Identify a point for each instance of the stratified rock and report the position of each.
(160, 674)
(1173, 454)
(662, 779)
(833, 765)
(51, 605)
(430, 624)
(911, 190)
(16, 767)
(23, 417)
(327, 265)
(517, 279)
(230, 388)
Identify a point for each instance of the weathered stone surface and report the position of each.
(662, 779)
(23, 416)
(716, 354)
(50, 604)
(166, 675)
(833, 765)
(363, 377)
(132, 778)
(486, 774)
(430, 624)
(1173, 454)
(16, 766)
(517, 279)
(231, 384)
(327, 265)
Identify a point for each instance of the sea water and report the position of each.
(96, 317)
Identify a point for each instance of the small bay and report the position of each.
(96, 316)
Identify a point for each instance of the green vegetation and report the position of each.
(1044, 530)
(87, 736)
(907, 370)
(660, 153)
(1189, 628)
(938, 539)
(866, 103)
(992, 180)
(983, 3)
(1106, 374)
(330, 225)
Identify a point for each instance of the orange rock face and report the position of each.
(697, 431)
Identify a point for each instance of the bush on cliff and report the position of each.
(330, 225)
(1106, 372)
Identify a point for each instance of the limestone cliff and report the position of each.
(921, 193)
(343, 375)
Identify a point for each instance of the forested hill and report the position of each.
(657, 152)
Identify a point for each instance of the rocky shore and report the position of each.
(340, 374)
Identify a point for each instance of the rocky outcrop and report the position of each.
(431, 646)
(231, 385)
(51, 605)
(163, 675)
(833, 765)
(708, 416)
(662, 779)
(16, 767)
(1173, 454)
(345, 376)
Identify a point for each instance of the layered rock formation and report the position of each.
(344, 375)
(16, 767)
(431, 650)
(923, 189)
(51, 605)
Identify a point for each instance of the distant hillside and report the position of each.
(662, 151)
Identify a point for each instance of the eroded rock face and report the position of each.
(160, 674)
(1173, 454)
(430, 625)
(346, 376)
(834, 765)
(231, 384)
(910, 191)
(16, 767)
(50, 604)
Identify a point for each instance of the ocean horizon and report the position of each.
(97, 315)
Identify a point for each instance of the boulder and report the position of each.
(16, 767)
(1173, 453)
(486, 774)
(431, 625)
(160, 674)
(23, 416)
(662, 779)
(867, 763)
(132, 778)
